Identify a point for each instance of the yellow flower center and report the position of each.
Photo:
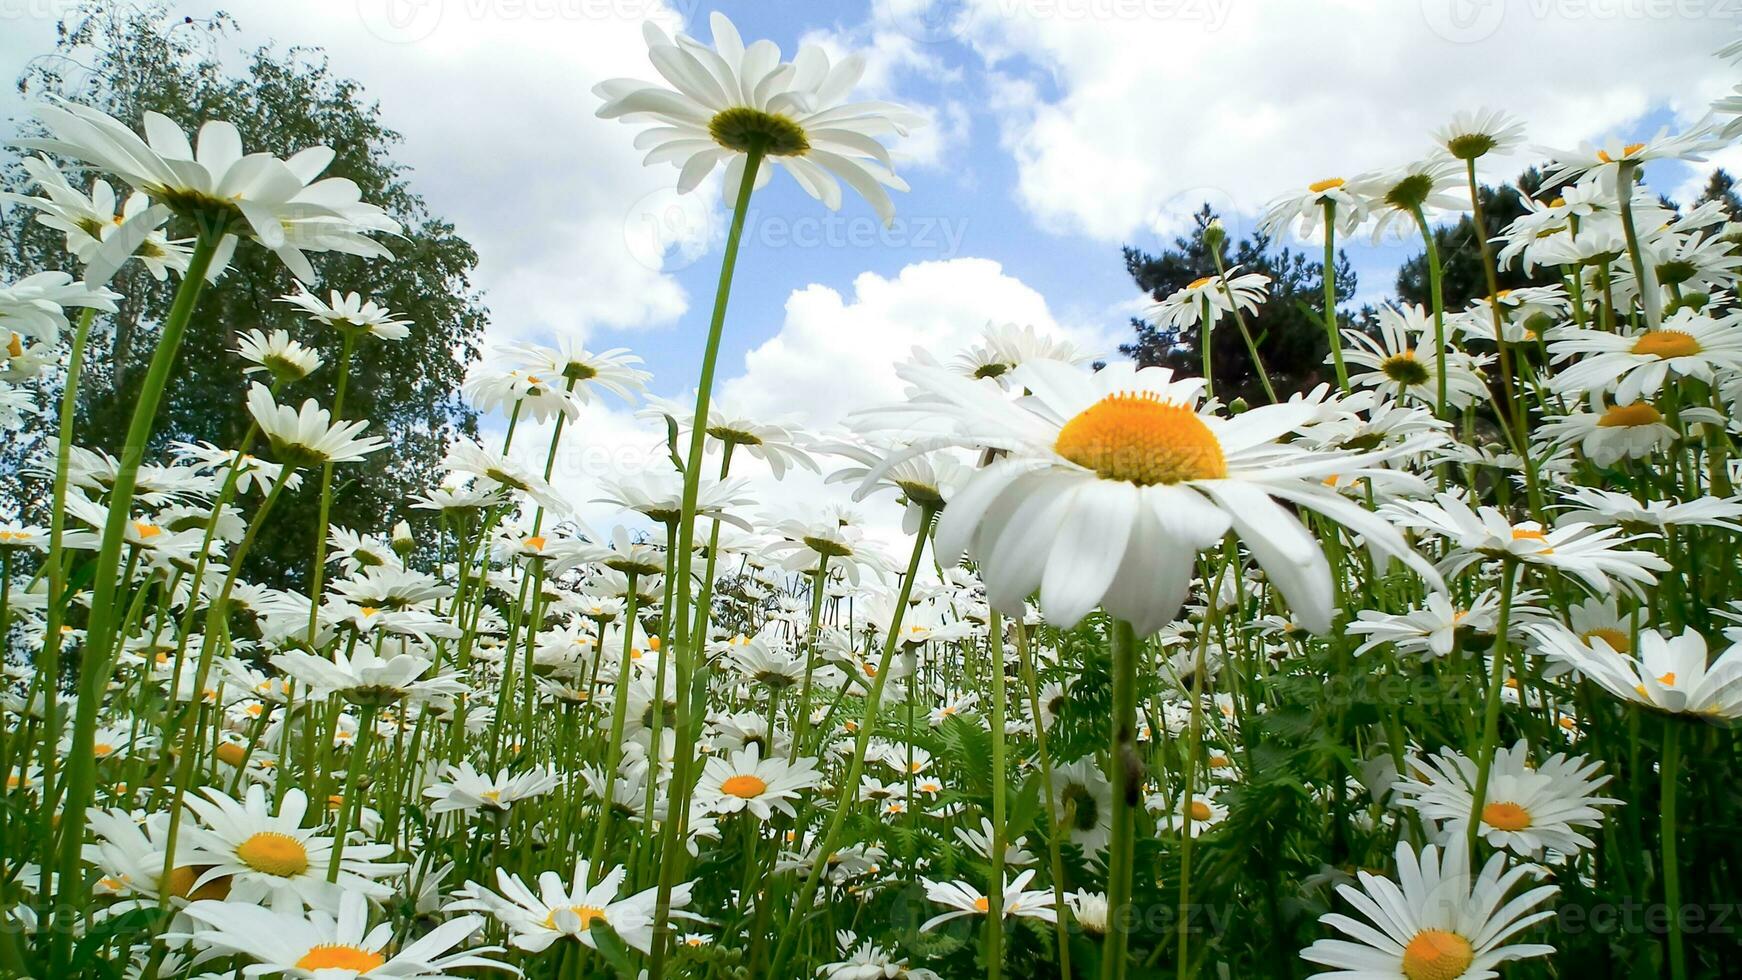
(146, 531)
(1435, 954)
(231, 753)
(15, 346)
(338, 956)
(1506, 816)
(1626, 151)
(982, 904)
(102, 750)
(1627, 416)
(1618, 641)
(744, 787)
(180, 883)
(1665, 344)
(588, 914)
(535, 543)
(1199, 811)
(1143, 440)
(275, 854)
(1200, 282)
(14, 536)
(1667, 680)
(1320, 186)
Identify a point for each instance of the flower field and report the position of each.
(1429, 671)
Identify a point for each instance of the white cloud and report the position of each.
(1124, 114)
(494, 100)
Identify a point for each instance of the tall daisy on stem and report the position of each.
(744, 106)
(1329, 203)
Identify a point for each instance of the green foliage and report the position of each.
(127, 61)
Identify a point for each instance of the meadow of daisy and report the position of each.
(1428, 672)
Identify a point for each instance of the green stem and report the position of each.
(1329, 275)
(1491, 710)
(1436, 294)
(674, 831)
(100, 637)
(1126, 774)
(995, 884)
(1672, 885)
(1245, 334)
(317, 575)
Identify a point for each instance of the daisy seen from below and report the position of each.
(1208, 299)
(307, 437)
(734, 102)
(279, 203)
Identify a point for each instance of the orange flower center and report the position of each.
(15, 346)
(982, 904)
(1141, 439)
(275, 854)
(1199, 810)
(146, 531)
(535, 543)
(231, 753)
(1320, 186)
(744, 787)
(1627, 416)
(1506, 816)
(1200, 282)
(1435, 954)
(1665, 344)
(1618, 641)
(1626, 151)
(338, 956)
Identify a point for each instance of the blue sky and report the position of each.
(1062, 130)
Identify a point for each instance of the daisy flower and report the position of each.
(1304, 210)
(1607, 434)
(466, 456)
(1393, 196)
(308, 437)
(1114, 481)
(732, 100)
(558, 910)
(744, 781)
(964, 899)
(1526, 808)
(271, 857)
(1690, 344)
(285, 359)
(33, 307)
(1086, 802)
(100, 235)
(1611, 153)
(350, 312)
(1403, 360)
(1588, 553)
(1667, 674)
(318, 946)
(278, 203)
(1471, 135)
(1223, 293)
(1005, 345)
(464, 789)
(1196, 815)
(1434, 922)
(608, 370)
